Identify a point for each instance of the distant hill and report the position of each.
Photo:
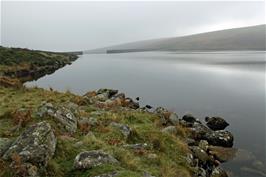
(246, 38)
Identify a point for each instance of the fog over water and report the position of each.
(68, 26)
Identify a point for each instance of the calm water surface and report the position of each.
(226, 84)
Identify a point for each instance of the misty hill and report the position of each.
(246, 38)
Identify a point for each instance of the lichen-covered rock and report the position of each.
(4, 145)
(35, 145)
(218, 172)
(203, 144)
(46, 109)
(198, 131)
(219, 138)
(200, 154)
(90, 159)
(160, 110)
(216, 123)
(66, 118)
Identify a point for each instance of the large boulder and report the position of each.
(219, 138)
(189, 118)
(35, 145)
(90, 159)
(216, 123)
(198, 131)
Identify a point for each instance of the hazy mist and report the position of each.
(69, 26)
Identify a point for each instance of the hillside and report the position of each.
(246, 38)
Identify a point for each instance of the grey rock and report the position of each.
(35, 145)
(136, 146)
(90, 159)
(125, 130)
(46, 109)
(174, 119)
(198, 131)
(200, 154)
(160, 110)
(216, 123)
(101, 97)
(73, 107)
(67, 119)
(218, 172)
(170, 130)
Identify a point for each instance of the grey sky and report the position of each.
(68, 26)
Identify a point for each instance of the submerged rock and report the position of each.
(90, 159)
(222, 154)
(35, 145)
(216, 123)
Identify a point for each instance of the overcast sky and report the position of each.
(69, 26)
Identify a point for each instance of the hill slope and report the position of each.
(246, 38)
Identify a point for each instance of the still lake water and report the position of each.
(226, 84)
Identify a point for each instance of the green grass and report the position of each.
(170, 150)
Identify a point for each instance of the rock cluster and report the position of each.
(210, 144)
(110, 98)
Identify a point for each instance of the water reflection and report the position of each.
(204, 84)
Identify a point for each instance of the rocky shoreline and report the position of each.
(207, 145)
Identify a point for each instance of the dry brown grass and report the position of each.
(21, 117)
(10, 82)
